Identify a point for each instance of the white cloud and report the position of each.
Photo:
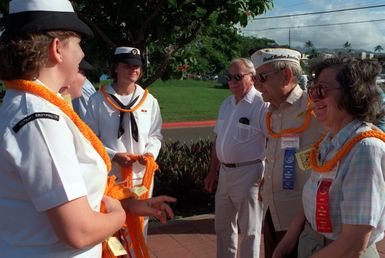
(362, 35)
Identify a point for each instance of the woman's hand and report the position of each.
(141, 159)
(123, 159)
(156, 207)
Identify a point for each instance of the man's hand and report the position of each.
(123, 159)
(156, 207)
(211, 182)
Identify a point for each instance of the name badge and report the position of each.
(303, 160)
(139, 190)
(323, 221)
(290, 141)
(116, 247)
(288, 171)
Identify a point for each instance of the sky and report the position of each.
(361, 36)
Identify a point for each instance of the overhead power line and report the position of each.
(322, 12)
(315, 25)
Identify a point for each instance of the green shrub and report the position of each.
(183, 168)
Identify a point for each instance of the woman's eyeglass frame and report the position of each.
(236, 77)
(319, 92)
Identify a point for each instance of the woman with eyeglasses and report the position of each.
(344, 198)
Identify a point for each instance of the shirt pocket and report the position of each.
(244, 133)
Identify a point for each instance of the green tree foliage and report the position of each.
(162, 27)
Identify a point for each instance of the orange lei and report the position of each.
(297, 130)
(109, 100)
(115, 191)
(135, 224)
(330, 164)
(45, 93)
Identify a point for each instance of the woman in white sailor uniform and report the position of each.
(125, 133)
(53, 174)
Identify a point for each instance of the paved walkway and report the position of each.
(192, 237)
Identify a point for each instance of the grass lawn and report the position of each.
(188, 100)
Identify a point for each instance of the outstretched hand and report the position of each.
(156, 207)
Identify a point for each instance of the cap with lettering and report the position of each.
(268, 55)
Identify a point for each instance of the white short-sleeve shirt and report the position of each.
(241, 136)
(45, 162)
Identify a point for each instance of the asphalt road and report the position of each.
(188, 134)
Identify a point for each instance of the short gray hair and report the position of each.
(247, 62)
(295, 69)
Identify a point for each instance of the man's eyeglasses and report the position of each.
(319, 92)
(236, 77)
(263, 77)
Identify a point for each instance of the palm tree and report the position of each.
(378, 49)
(310, 49)
(309, 44)
(348, 46)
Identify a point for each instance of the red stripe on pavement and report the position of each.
(189, 124)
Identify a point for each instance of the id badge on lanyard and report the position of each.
(323, 220)
(290, 143)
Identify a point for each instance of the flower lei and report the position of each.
(112, 189)
(296, 130)
(109, 100)
(45, 93)
(135, 224)
(330, 164)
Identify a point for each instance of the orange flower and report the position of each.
(330, 164)
(297, 130)
(45, 93)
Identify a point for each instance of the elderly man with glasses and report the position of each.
(238, 153)
(291, 130)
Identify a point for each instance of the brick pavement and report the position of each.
(191, 237)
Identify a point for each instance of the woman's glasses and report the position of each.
(236, 77)
(319, 92)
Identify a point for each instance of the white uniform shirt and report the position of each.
(44, 162)
(104, 121)
(238, 142)
(80, 104)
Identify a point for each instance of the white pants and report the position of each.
(236, 203)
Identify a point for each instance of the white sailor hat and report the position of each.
(128, 55)
(268, 55)
(26, 16)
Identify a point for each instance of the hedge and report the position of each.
(183, 167)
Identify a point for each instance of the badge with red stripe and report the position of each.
(323, 221)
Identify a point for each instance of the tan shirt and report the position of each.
(285, 204)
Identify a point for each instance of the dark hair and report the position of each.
(23, 57)
(361, 97)
(113, 74)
